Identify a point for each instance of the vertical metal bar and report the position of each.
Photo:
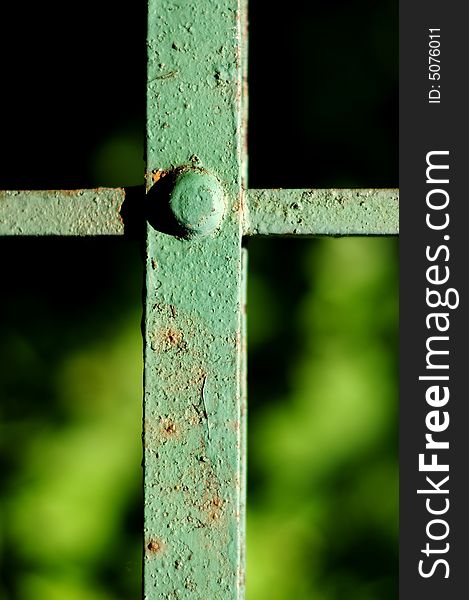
(193, 337)
(243, 418)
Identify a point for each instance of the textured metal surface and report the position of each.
(193, 336)
(197, 203)
(243, 420)
(322, 212)
(75, 212)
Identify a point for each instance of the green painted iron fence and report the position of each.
(194, 212)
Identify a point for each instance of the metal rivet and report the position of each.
(197, 203)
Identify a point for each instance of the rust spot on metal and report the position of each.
(173, 336)
(159, 432)
(155, 546)
(214, 508)
(164, 309)
(158, 174)
(169, 427)
(212, 504)
(80, 191)
(168, 339)
(70, 192)
(190, 585)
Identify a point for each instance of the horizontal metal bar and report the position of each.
(76, 212)
(322, 212)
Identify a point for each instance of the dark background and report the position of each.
(323, 113)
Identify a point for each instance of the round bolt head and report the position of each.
(197, 203)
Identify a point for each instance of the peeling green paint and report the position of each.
(75, 212)
(193, 454)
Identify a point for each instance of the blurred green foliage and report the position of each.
(71, 395)
(323, 509)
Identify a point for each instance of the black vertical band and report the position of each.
(434, 198)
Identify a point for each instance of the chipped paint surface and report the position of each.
(74, 212)
(193, 454)
(322, 212)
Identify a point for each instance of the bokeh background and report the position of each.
(323, 472)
